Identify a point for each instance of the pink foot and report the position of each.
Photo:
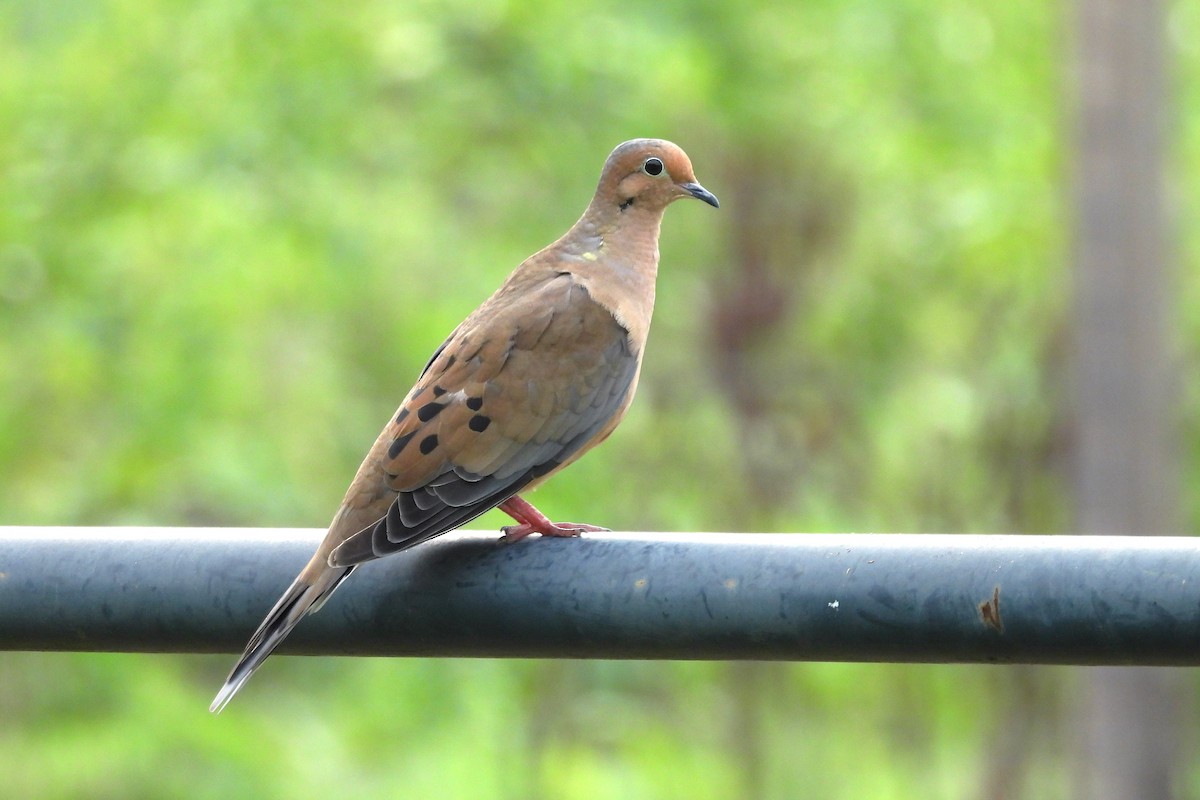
(530, 520)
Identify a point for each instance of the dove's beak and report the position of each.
(700, 193)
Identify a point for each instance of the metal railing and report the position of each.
(819, 597)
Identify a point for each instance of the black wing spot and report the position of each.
(402, 415)
(399, 443)
(474, 403)
(428, 444)
(479, 423)
(438, 391)
(429, 410)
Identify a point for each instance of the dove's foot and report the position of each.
(530, 520)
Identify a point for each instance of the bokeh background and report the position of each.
(231, 233)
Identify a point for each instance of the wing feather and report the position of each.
(511, 396)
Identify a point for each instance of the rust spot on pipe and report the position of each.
(989, 611)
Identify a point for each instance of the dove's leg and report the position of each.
(533, 521)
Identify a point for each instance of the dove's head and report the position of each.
(649, 174)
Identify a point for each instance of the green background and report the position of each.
(231, 233)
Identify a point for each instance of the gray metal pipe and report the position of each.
(821, 597)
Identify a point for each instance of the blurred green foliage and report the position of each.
(232, 232)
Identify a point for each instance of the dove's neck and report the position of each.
(615, 256)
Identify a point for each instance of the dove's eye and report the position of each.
(653, 166)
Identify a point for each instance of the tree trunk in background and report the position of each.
(1129, 720)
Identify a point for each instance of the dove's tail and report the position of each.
(306, 595)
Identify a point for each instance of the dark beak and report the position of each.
(700, 193)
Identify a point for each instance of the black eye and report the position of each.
(653, 166)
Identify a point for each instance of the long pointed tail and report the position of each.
(306, 595)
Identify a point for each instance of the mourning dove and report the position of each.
(530, 381)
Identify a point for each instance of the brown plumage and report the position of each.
(530, 381)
